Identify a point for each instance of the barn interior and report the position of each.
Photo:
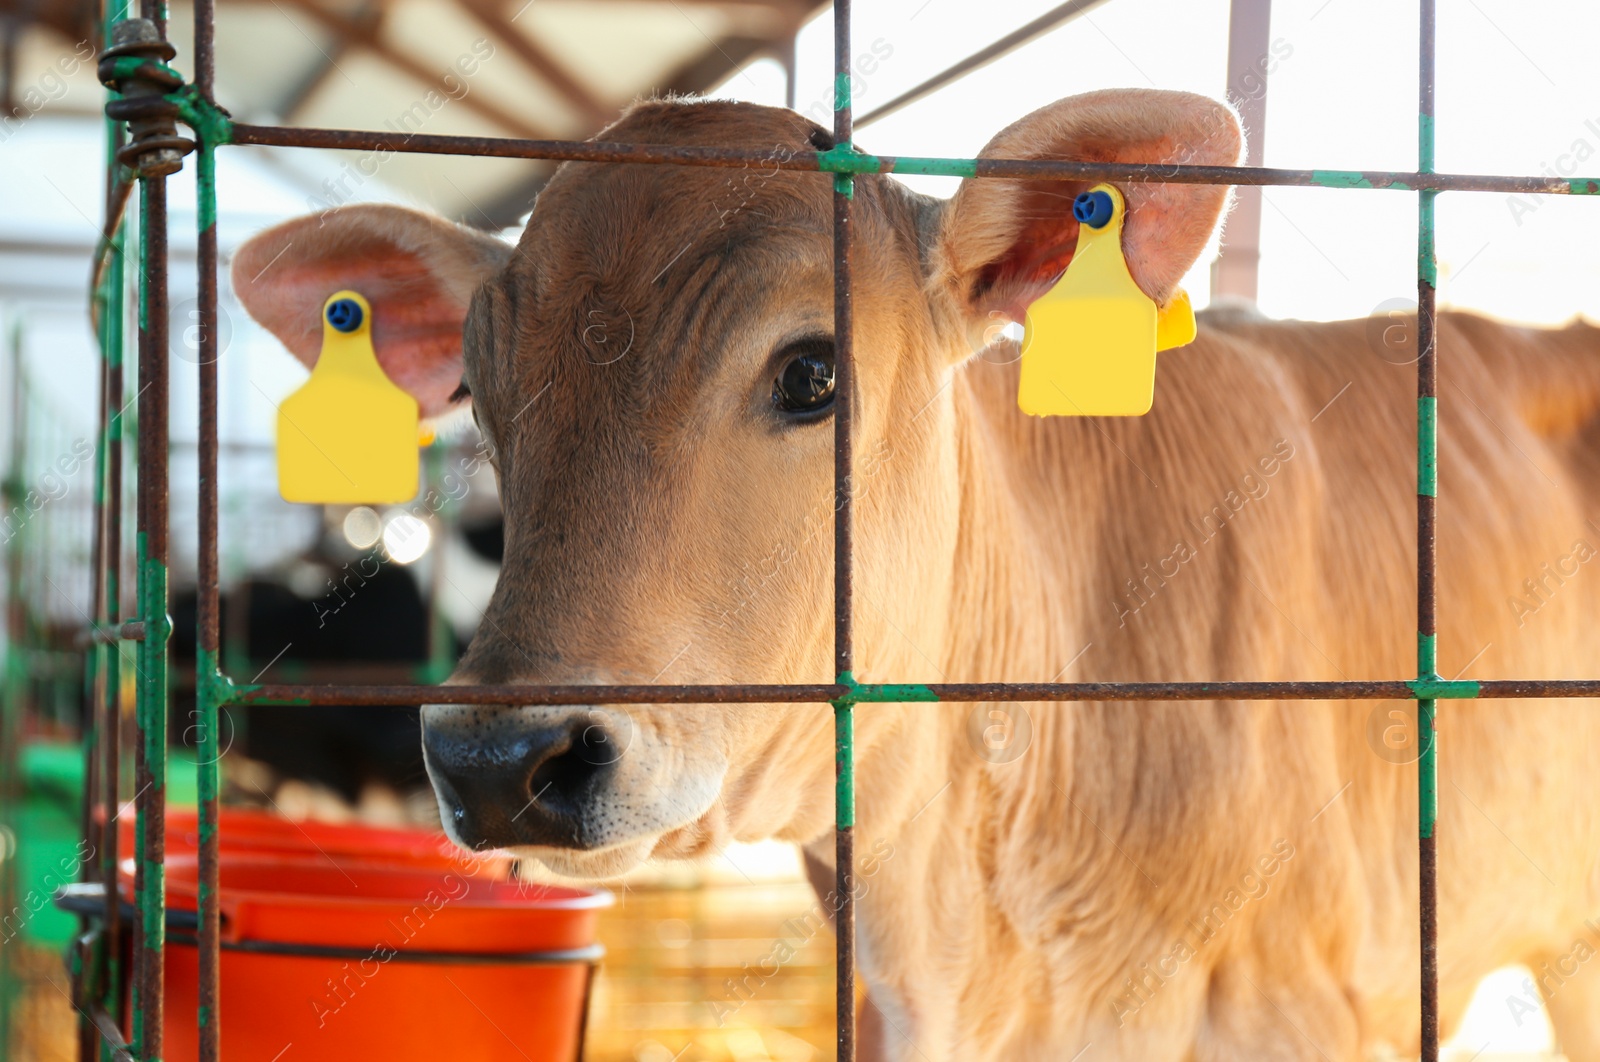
(363, 594)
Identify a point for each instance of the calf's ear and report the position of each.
(417, 271)
(1003, 243)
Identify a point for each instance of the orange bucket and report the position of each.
(342, 961)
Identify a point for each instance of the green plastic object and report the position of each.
(44, 847)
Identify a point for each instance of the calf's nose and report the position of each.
(534, 785)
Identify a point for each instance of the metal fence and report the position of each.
(150, 97)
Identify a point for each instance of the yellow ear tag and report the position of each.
(1089, 344)
(349, 435)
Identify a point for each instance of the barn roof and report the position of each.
(517, 68)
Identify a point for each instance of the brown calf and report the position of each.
(1160, 881)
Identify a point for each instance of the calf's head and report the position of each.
(653, 367)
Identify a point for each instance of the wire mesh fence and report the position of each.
(150, 99)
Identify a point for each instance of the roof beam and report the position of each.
(544, 65)
(297, 98)
(409, 64)
(721, 60)
(75, 20)
(982, 57)
(1235, 271)
(507, 208)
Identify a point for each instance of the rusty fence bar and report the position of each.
(151, 554)
(207, 567)
(844, 901)
(108, 633)
(150, 629)
(904, 693)
(98, 966)
(107, 980)
(1427, 549)
(843, 161)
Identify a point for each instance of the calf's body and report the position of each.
(1146, 882)
(1238, 880)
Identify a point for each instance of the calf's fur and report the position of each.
(1167, 881)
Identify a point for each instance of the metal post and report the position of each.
(1249, 52)
(109, 992)
(1427, 554)
(843, 532)
(150, 771)
(844, 163)
(12, 686)
(151, 550)
(113, 321)
(102, 984)
(788, 57)
(208, 675)
(91, 960)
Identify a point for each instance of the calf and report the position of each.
(653, 365)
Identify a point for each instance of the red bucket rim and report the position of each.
(183, 876)
(250, 832)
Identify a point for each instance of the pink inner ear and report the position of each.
(1166, 226)
(1035, 262)
(1005, 243)
(1159, 218)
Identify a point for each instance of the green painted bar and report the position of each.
(1428, 660)
(1340, 179)
(150, 705)
(1428, 691)
(1427, 258)
(1439, 689)
(894, 693)
(1427, 454)
(845, 159)
(1428, 446)
(844, 765)
(205, 186)
(239, 693)
(210, 692)
(94, 668)
(113, 310)
(931, 167)
(208, 695)
(884, 693)
(142, 670)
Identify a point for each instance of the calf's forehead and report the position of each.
(635, 284)
(642, 233)
(660, 266)
(640, 259)
(622, 219)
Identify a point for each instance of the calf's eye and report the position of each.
(805, 380)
